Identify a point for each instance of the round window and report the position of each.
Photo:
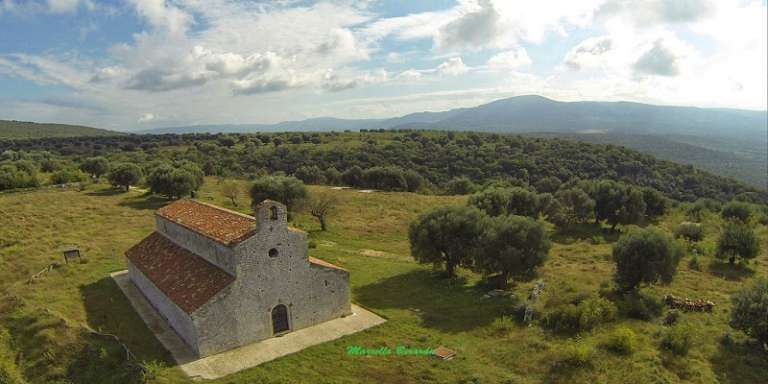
(273, 252)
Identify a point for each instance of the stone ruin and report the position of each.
(689, 305)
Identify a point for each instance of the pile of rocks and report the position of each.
(689, 305)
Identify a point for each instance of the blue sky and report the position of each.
(139, 64)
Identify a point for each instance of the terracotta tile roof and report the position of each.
(187, 279)
(220, 224)
(324, 263)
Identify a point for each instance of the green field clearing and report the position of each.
(47, 320)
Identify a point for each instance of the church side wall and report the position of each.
(213, 251)
(179, 320)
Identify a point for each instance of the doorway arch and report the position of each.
(280, 319)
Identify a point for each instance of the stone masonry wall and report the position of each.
(211, 250)
(179, 320)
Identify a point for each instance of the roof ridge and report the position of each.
(227, 210)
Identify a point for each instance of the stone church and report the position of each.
(223, 279)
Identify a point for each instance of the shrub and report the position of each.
(460, 186)
(690, 231)
(95, 166)
(750, 310)
(125, 175)
(622, 341)
(575, 354)
(640, 305)
(66, 176)
(677, 339)
(737, 210)
(579, 316)
(694, 263)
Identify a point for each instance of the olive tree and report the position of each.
(125, 175)
(285, 189)
(576, 205)
(750, 310)
(95, 166)
(171, 182)
(737, 240)
(447, 235)
(512, 245)
(645, 256)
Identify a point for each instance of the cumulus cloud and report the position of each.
(163, 15)
(335, 82)
(473, 30)
(453, 66)
(658, 61)
(512, 59)
(409, 74)
(589, 52)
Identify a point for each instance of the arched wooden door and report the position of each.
(280, 319)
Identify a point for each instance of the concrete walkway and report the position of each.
(225, 363)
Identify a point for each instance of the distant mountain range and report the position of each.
(12, 129)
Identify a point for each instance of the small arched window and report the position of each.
(273, 252)
(273, 213)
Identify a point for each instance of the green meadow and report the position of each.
(45, 324)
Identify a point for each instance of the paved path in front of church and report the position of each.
(251, 355)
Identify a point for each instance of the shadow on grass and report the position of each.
(146, 201)
(445, 304)
(740, 362)
(106, 192)
(733, 272)
(585, 231)
(109, 311)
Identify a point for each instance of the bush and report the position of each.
(750, 310)
(690, 231)
(66, 176)
(460, 186)
(580, 315)
(677, 339)
(284, 189)
(125, 175)
(694, 263)
(622, 341)
(575, 354)
(737, 210)
(640, 305)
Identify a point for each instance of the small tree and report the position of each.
(645, 256)
(321, 207)
(632, 209)
(523, 202)
(447, 235)
(548, 185)
(310, 174)
(737, 240)
(285, 189)
(750, 310)
(231, 190)
(353, 176)
(95, 166)
(460, 186)
(172, 183)
(66, 176)
(125, 175)
(737, 210)
(655, 202)
(576, 205)
(609, 198)
(493, 201)
(513, 245)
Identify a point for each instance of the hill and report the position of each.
(744, 166)
(428, 159)
(728, 142)
(45, 325)
(11, 129)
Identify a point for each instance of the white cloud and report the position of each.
(588, 53)
(147, 117)
(163, 15)
(409, 74)
(654, 12)
(473, 30)
(453, 66)
(512, 59)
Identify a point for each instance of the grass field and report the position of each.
(46, 323)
